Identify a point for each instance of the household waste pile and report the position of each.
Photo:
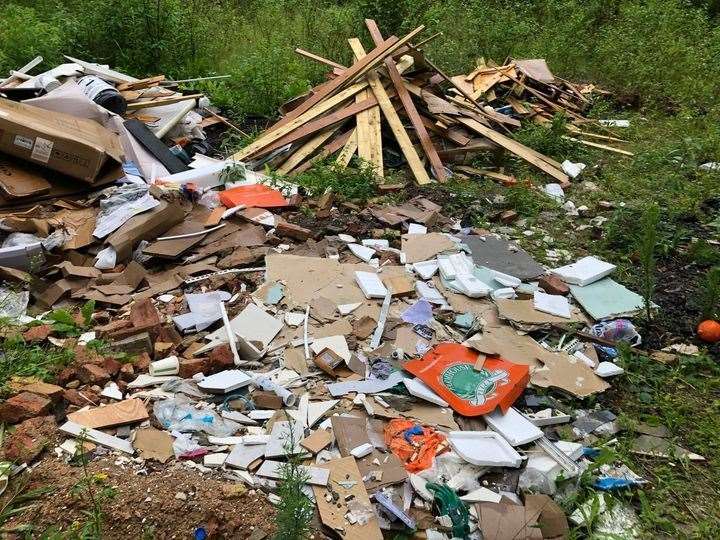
(414, 368)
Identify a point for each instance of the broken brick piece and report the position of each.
(127, 372)
(80, 399)
(92, 374)
(37, 333)
(221, 358)
(66, 375)
(193, 366)
(508, 216)
(138, 344)
(24, 406)
(142, 362)
(293, 231)
(143, 314)
(51, 391)
(112, 366)
(553, 285)
(29, 439)
(110, 328)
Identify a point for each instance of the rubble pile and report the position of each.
(414, 368)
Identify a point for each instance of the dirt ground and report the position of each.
(156, 501)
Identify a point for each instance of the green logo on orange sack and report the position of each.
(471, 385)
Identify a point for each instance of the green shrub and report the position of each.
(25, 34)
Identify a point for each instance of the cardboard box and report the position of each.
(78, 147)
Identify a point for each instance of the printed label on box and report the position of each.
(24, 142)
(42, 150)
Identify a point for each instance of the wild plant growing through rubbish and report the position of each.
(295, 509)
(647, 246)
(92, 488)
(710, 294)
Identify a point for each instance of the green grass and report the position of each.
(19, 359)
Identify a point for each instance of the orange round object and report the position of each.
(709, 331)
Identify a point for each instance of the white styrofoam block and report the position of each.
(363, 253)
(370, 284)
(225, 381)
(362, 450)
(471, 286)
(484, 448)
(426, 269)
(513, 426)
(506, 279)
(608, 369)
(376, 243)
(416, 228)
(585, 271)
(419, 389)
(552, 304)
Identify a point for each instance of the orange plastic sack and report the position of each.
(415, 450)
(255, 195)
(449, 369)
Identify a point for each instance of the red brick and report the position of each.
(23, 407)
(192, 366)
(127, 372)
(37, 333)
(74, 397)
(142, 362)
(293, 231)
(143, 314)
(508, 216)
(51, 391)
(92, 374)
(111, 365)
(109, 329)
(221, 358)
(553, 285)
(29, 439)
(66, 375)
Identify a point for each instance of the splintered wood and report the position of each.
(394, 101)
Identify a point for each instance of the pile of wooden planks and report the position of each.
(394, 98)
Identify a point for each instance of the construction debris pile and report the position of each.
(452, 118)
(415, 368)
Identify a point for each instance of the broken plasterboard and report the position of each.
(285, 440)
(225, 381)
(421, 247)
(313, 475)
(498, 254)
(608, 299)
(353, 502)
(370, 284)
(553, 304)
(98, 437)
(243, 455)
(367, 386)
(337, 344)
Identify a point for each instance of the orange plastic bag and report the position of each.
(449, 369)
(255, 195)
(415, 448)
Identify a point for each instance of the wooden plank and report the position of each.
(369, 135)
(354, 72)
(409, 106)
(123, 412)
(319, 59)
(142, 83)
(329, 149)
(444, 132)
(396, 125)
(516, 148)
(274, 133)
(601, 146)
(306, 150)
(348, 150)
(320, 123)
(159, 103)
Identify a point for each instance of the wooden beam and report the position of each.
(320, 123)
(329, 149)
(348, 150)
(409, 106)
(598, 145)
(372, 60)
(274, 133)
(306, 150)
(369, 137)
(319, 59)
(520, 150)
(159, 103)
(396, 125)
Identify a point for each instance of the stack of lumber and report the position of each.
(394, 96)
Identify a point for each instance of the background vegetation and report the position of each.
(659, 58)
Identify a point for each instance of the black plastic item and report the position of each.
(103, 94)
(155, 146)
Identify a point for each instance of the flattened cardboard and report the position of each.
(146, 226)
(67, 144)
(17, 181)
(421, 247)
(317, 440)
(128, 411)
(154, 444)
(523, 312)
(344, 472)
(504, 520)
(568, 373)
(171, 249)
